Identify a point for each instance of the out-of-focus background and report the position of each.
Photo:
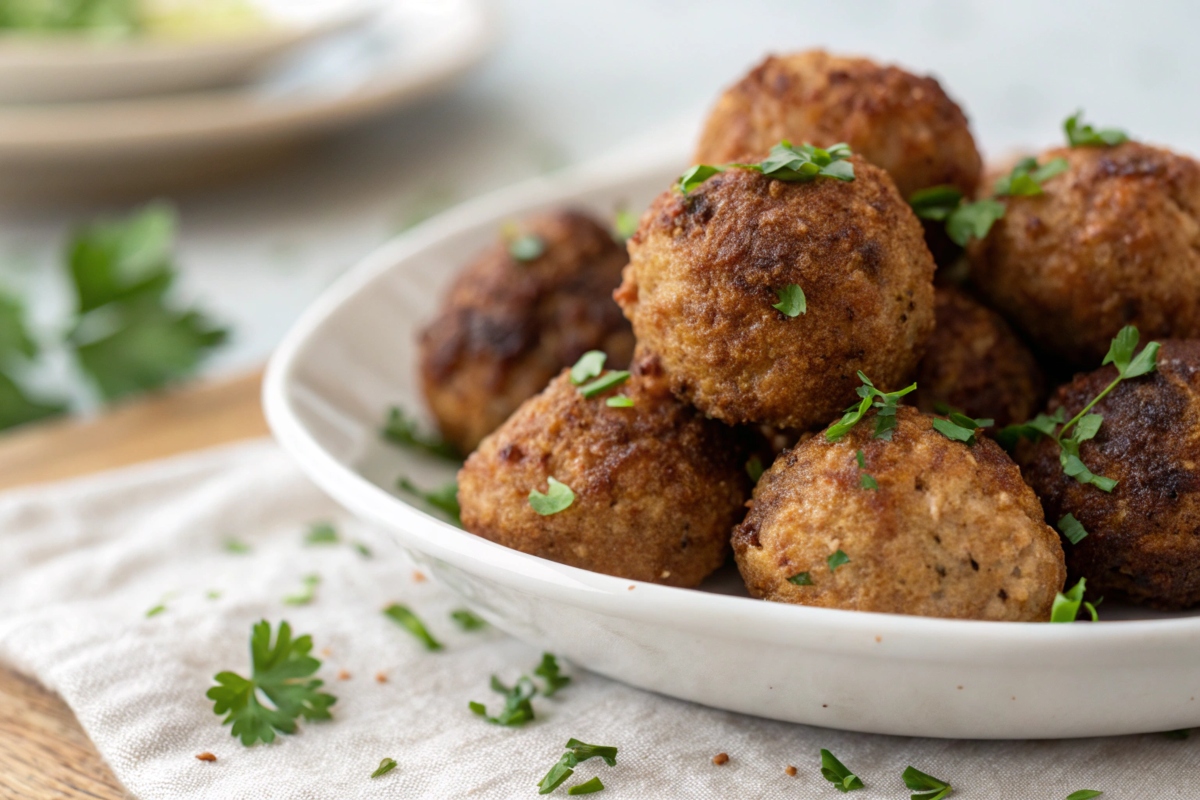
(382, 114)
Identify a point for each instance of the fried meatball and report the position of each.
(976, 365)
(1143, 539)
(508, 326)
(951, 530)
(901, 122)
(657, 486)
(705, 269)
(1113, 241)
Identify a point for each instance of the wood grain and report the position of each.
(44, 753)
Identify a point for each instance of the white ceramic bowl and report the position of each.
(353, 354)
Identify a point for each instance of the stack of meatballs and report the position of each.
(749, 312)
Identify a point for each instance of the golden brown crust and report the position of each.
(952, 531)
(507, 327)
(976, 365)
(1144, 538)
(657, 487)
(1113, 241)
(701, 284)
(902, 122)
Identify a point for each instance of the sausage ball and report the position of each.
(1143, 538)
(706, 272)
(509, 325)
(657, 487)
(901, 122)
(976, 365)
(951, 530)
(1113, 241)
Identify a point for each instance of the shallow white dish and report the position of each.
(353, 354)
(70, 67)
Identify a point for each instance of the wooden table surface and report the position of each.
(44, 753)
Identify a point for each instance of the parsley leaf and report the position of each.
(836, 773)
(864, 480)
(885, 402)
(385, 766)
(18, 408)
(587, 787)
(836, 560)
(412, 623)
(1072, 529)
(936, 203)
(548, 670)
(577, 753)
(925, 787)
(625, 225)
(602, 384)
(307, 594)
(236, 547)
(1066, 605)
(517, 708)
(467, 620)
(619, 401)
(1080, 134)
(696, 176)
(444, 499)
(526, 247)
(1084, 794)
(792, 302)
(801, 579)
(589, 366)
(558, 497)
(321, 533)
(785, 162)
(1027, 177)
(754, 468)
(280, 673)
(960, 427)
(964, 221)
(402, 430)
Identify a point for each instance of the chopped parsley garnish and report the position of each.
(577, 753)
(1178, 735)
(517, 708)
(444, 499)
(836, 560)
(526, 247)
(154, 611)
(280, 672)
(402, 430)
(362, 549)
(17, 346)
(625, 225)
(785, 162)
(884, 402)
(836, 773)
(754, 468)
(307, 594)
(602, 384)
(1084, 794)
(1072, 529)
(1027, 177)
(549, 672)
(1066, 605)
(620, 401)
(236, 546)
(801, 579)
(385, 766)
(589, 366)
(467, 620)
(558, 497)
(925, 787)
(964, 221)
(412, 623)
(960, 427)
(1086, 424)
(587, 787)
(864, 480)
(1080, 134)
(792, 302)
(321, 533)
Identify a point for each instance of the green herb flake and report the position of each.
(865, 481)
(467, 620)
(587, 787)
(785, 162)
(625, 225)
(792, 302)
(1072, 529)
(964, 221)
(936, 203)
(385, 766)
(960, 427)
(611, 380)
(1080, 134)
(154, 611)
(362, 549)
(925, 787)
(801, 579)
(1084, 794)
(558, 497)
(1178, 735)
(307, 594)
(696, 176)
(235, 546)
(321, 533)
(884, 402)
(836, 560)
(444, 499)
(577, 753)
(589, 366)
(1066, 604)
(518, 709)
(754, 468)
(620, 401)
(402, 430)
(836, 773)
(406, 619)
(549, 672)
(1027, 177)
(526, 247)
(280, 672)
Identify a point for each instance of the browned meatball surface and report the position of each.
(976, 365)
(951, 530)
(658, 487)
(704, 273)
(1113, 241)
(1143, 539)
(508, 326)
(904, 123)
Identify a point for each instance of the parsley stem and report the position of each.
(1089, 406)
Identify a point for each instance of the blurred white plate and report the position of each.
(73, 67)
(135, 146)
(353, 354)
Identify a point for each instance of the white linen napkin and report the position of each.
(83, 562)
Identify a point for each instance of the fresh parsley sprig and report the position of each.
(925, 787)
(385, 766)
(838, 774)
(517, 706)
(960, 427)
(405, 618)
(1027, 177)
(1086, 424)
(550, 672)
(786, 162)
(402, 429)
(577, 752)
(1080, 134)
(280, 672)
(1066, 604)
(792, 302)
(964, 221)
(885, 404)
(557, 497)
